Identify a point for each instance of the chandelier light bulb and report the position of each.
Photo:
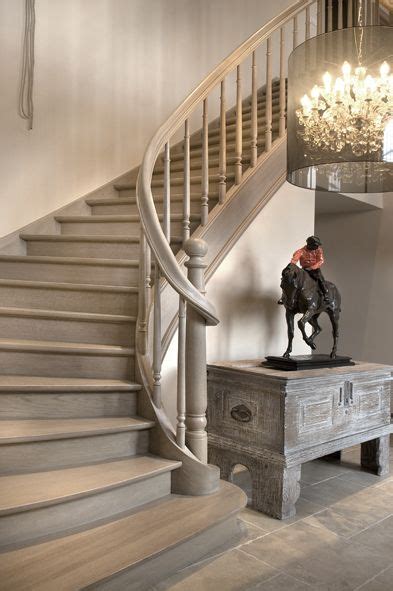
(350, 111)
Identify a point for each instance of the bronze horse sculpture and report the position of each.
(301, 295)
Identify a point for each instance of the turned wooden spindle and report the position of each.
(205, 165)
(330, 15)
(239, 127)
(308, 23)
(282, 83)
(143, 293)
(222, 185)
(268, 132)
(350, 13)
(340, 14)
(319, 17)
(157, 337)
(254, 112)
(295, 31)
(196, 374)
(187, 182)
(376, 12)
(181, 376)
(166, 205)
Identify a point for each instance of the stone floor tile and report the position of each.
(340, 524)
(319, 470)
(319, 557)
(304, 508)
(378, 536)
(283, 582)
(232, 571)
(382, 582)
(330, 491)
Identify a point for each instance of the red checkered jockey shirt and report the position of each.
(309, 259)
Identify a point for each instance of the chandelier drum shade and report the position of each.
(340, 111)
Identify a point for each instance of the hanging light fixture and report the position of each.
(340, 111)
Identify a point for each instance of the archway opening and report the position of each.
(241, 476)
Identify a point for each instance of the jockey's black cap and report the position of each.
(314, 240)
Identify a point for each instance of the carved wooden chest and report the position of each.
(272, 421)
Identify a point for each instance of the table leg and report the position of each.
(375, 455)
(275, 489)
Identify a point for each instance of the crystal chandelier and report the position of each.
(340, 133)
(351, 111)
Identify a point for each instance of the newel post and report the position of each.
(196, 376)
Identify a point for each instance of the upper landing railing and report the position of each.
(304, 19)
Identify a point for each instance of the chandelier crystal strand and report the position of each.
(351, 111)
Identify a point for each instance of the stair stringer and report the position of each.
(226, 224)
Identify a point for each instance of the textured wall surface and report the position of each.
(107, 73)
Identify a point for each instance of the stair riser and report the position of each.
(67, 405)
(65, 365)
(131, 209)
(101, 250)
(34, 456)
(63, 273)
(96, 302)
(231, 135)
(26, 527)
(69, 331)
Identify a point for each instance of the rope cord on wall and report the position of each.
(26, 106)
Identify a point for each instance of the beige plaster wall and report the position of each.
(359, 253)
(246, 287)
(107, 73)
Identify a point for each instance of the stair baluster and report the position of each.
(222, 187)
(144, 292)
(282, 83)
(268, 132)
(181, 376)
(350, 13)
(196, 373)
(330, 15)
(205, 165)
(294, 35)
(340, 14)
(254, 112)
(166, 206)
(187, 181)
(320, 16)
(157, 337)
(308, 23)
(239, 127)
(376, 12)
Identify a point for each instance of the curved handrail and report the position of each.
(149, 218)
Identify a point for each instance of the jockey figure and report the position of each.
(311, 260)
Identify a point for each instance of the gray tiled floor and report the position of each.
(340, 540)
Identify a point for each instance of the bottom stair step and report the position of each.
(120, 554)
(46, 503)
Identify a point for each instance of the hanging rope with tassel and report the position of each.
(26, 105)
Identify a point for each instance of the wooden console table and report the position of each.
(273, 421)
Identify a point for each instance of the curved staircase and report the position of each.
(97, 489)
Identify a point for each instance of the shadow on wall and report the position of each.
(248, 314)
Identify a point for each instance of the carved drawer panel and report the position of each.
(335, 411)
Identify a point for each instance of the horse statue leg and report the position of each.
(290, 316)
(334, 316)
(307, 317)
(316, 328)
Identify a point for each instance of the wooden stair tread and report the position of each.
(174, 179)
(15, 383)
(118, 218)
(132, 200)
(17, 431)
(65, 315)
(78, 560)
(69, 286)
(21, 492)
(79, 238)
(68, 260)
(63, 347)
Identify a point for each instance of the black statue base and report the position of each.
(299, 362)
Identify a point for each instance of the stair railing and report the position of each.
(305, 18)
